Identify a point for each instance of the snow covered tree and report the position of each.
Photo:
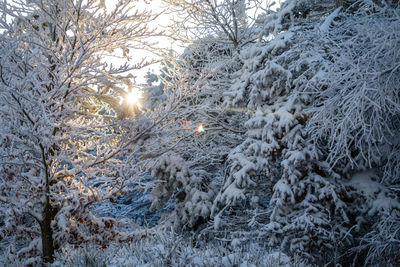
(188, 164)
(64, 135)
(277, 158)
(272, 119)
(310, 128)
(266, 89)
(356, 113)
(313, 208)
(356, 117)
(198, 143)
(226, 21)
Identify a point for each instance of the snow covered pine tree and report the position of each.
(191, 150)
(198, 143)
(277, 157)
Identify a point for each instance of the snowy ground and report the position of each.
(167, 249)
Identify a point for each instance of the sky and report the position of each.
(162, 42)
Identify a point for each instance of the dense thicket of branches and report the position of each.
(280, 129)
(313, 108)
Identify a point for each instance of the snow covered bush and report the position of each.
(64, 135)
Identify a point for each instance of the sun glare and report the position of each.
(134, 96)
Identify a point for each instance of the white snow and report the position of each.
(328, 21)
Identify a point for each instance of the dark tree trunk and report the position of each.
(48, 216)
(47, 233)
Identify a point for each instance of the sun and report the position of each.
(134, 97)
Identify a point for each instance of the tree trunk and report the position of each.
(48, 215)
(339, 3)
(47, 233)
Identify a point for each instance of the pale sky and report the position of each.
(163, 42)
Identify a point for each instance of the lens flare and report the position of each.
(187, 125)
(200, 128)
